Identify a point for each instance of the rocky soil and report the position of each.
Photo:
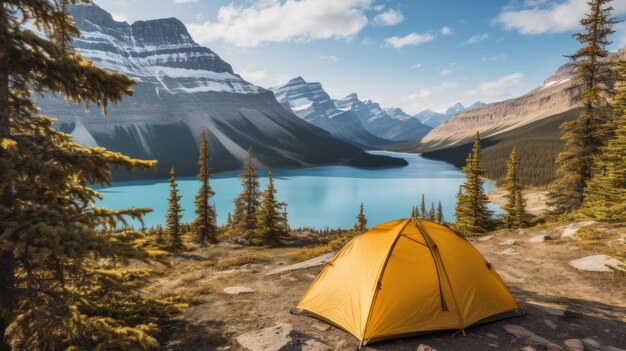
(240, 298)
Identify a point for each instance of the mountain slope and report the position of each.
(434, 119)
(183, 88)
(551, 98)
(310, 102)
(380, 123)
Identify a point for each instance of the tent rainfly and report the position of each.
(407, 277)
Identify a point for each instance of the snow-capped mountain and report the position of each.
(433, 119)
(396, 126)
(182, 89)
(310, 102)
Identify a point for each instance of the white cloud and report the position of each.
(478, 38)
(184, 1)
(426, 92)
(417, 65)
(445, 71)
(500, 57)
(498, 88)
(332, 58)
(378, 7)
(283, 20)
(412, 39)
(389, 18)
(446, 30)
(120, 17)
(367, 41)
(254, 76)
(553, 18)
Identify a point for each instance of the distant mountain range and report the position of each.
(434, 119)
(362, 123)
(182, 89)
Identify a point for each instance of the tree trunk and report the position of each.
(7, 260)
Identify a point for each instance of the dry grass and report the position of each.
(238, 261)
(315, 251)
(602, 239)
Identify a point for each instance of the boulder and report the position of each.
(598, 263)
(526, 335)
(574, 345)
(570, 230)
(553, 347)
(613, 348)
(538, 239)
(550, 324)
(314, 262)
(236, 290)
(424, 347)
(527, 348)
(268, 339)
(508, 252)
(591, 343)
(508, 242)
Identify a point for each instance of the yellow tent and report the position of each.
(407, 277)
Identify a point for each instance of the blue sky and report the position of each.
(413, 54)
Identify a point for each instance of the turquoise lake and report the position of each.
(318, 197)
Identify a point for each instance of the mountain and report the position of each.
(551, 98)
(380, 122)
(434, 119)
(310, 102)
(183, 88)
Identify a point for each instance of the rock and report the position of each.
(321, 327)
(236, 290)
(574, 345)
(508, 252)
(570, 230)
(314, 345)
(508, 242)
(486, 238)
(591, 343)
(314, 262)
(550, 324)
(613, 348)
(598, 263)
(424, 347)
(521, 232)
(268, 339)
(527, 348)
(526, 335)
(553, 347)
(539, 238)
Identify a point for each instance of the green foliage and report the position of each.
(63, 285)
(586, 135)
(248, 202)
(361, 220)
(270, 229)
(174, 232)
(515, 207)
(536, 168)
(431, 212)
(472, 215)
(422, 212)
(605, 193)
(205, 224)
(439, 218)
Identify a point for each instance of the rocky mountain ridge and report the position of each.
(182, 89)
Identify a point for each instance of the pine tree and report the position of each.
(229, 221)
(423, 213)
(439, 213)
(605, 194)
(247, 203)
(56, 292)
(159, 234)
(586, 135)
(175, 241)
(431, 213)
(284, 218)
(515, 207)
(205, 224)
(361, 220)
(472, 214)
(270, 229)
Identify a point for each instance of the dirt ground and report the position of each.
(561, 302)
